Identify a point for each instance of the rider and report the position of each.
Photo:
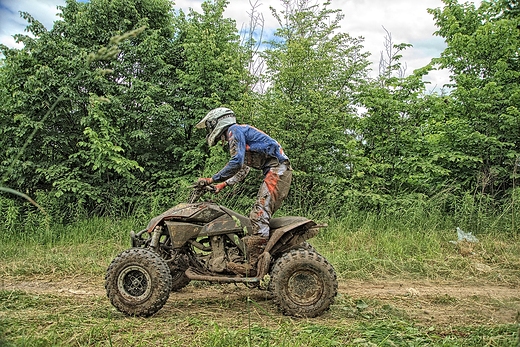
(249, 147)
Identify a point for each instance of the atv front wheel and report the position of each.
(303, 283)
(138, 282)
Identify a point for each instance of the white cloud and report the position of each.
(407, 22)
(11, 23)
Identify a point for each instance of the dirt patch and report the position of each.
(57, 286)
(443, 303)
(427, 303)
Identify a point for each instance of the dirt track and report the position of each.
(444, 303)
(427, 303)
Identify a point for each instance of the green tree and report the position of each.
(398, 153)
(108, 129)
(395, 154)
(213, 73)
(482, 55)
(52, 84)
(312, 73)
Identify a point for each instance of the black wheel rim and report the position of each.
(134, 283)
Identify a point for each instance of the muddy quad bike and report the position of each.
(196, 241)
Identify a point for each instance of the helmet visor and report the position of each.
(211, 124)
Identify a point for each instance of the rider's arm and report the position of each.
(237, 150)
(239, 176)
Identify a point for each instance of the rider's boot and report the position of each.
(255, 245)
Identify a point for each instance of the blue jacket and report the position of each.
(249, 147)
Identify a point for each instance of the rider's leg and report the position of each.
(272, 192)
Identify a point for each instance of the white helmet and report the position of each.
(216, 122)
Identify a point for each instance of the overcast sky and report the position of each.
(407, 20)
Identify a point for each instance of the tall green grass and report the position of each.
(418, 239)
(375, 247)
(82, 248)
(413, 243)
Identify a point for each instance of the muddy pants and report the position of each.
(272, 192)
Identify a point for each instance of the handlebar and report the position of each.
(198, 190)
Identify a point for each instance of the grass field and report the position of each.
(401, 284)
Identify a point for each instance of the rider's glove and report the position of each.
(204, 181)
(220, 186)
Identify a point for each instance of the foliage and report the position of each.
(482, 55)
(395, 140)
(105, 127)
(98, 112)
(312, 72)
(212, 74)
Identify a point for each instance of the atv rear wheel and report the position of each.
(303, 283)
(138, 282)
(179, 280)
(304, 245)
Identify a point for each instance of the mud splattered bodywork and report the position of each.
(197, 241)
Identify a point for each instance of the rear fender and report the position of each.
(306, 230)
(284, 238)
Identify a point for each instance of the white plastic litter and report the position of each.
(464, 236)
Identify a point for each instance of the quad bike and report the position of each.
(196, 241)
